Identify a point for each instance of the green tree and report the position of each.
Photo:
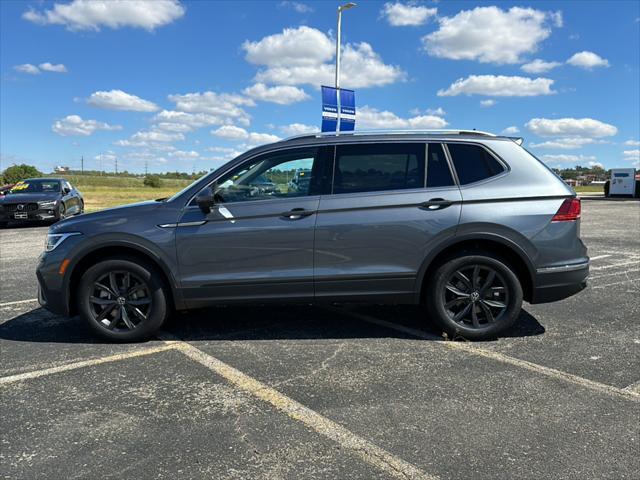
(15, 173)
(152, 181)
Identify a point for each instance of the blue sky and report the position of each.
(183, 85)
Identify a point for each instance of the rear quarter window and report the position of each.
(473, 163)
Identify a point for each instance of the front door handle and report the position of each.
(435, 204)
(296, 214)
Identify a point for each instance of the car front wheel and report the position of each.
(474, 296)
(123, 300)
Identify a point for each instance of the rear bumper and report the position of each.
(559, 282)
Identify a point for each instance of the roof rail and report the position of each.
(390, 132)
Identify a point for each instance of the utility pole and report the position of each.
(82, 164)
(116, 165)
(346, 6)
(146, 168)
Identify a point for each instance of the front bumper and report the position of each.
(39, 215)
(559, 282)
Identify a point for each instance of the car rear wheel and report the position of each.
(123, 300)
(474, 296)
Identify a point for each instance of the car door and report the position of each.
(386, 208)
(257, 241)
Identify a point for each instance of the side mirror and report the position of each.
(66, 190)
(205, 200)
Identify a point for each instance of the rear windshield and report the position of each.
(36, 186)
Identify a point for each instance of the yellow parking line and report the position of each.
(85, 363)
(634, 387)
(500, 357)
(18, 302)
(390, 464)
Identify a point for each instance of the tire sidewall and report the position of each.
(442, 275)
(158, 312)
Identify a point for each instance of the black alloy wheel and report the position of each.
(123, 299)
(120, 301)
(474, 295)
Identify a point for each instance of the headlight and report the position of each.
(55, 239)
(47, 204)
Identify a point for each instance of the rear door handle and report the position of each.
(435, 204)
(296, 214)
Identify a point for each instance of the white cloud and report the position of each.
(93, 14)
(563, 158)
(27, 68)
(368, 117)
(402, 15)
(119, 100)
(510, 130)
(631, 155)
(300, 56)
(487, 103)
(429, 111)
(231, 132)
(571, 143)
(298, 129)
(632, 143)
(499, 86)
(570, 127)
(588, 60)
(75, 125)
(490, 34)
(281, 94)
(539, 66)
(225, 106)
(297, 6)
(50, 67)
(156, 136)
(183, 154)
(183, 122)
(294, 46)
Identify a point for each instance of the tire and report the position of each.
(62, 210)
(81, 209)
(491, 308)
(149, 299)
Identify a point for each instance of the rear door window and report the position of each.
(438, 172)
(473, 163)
(378, 167)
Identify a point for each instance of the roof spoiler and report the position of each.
(517, 140)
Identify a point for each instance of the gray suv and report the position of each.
(468, 223)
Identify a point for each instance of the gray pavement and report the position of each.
(305, 392)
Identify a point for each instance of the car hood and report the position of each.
(114, 218)
(29, 197)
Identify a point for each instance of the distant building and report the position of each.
(61, 169)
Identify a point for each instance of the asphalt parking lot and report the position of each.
(306, 392)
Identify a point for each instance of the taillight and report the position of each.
(569, 211)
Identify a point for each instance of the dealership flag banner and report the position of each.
(330, 107)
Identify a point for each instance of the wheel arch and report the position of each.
(102, 252)
(499, 245)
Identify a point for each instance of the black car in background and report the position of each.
(40, 199)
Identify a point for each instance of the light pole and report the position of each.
(346, 6)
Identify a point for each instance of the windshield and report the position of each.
(36, 186)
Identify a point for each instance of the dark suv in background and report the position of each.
(40, 199)
(468, 223)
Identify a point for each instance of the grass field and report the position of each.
(103, 191)
(590, 189)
